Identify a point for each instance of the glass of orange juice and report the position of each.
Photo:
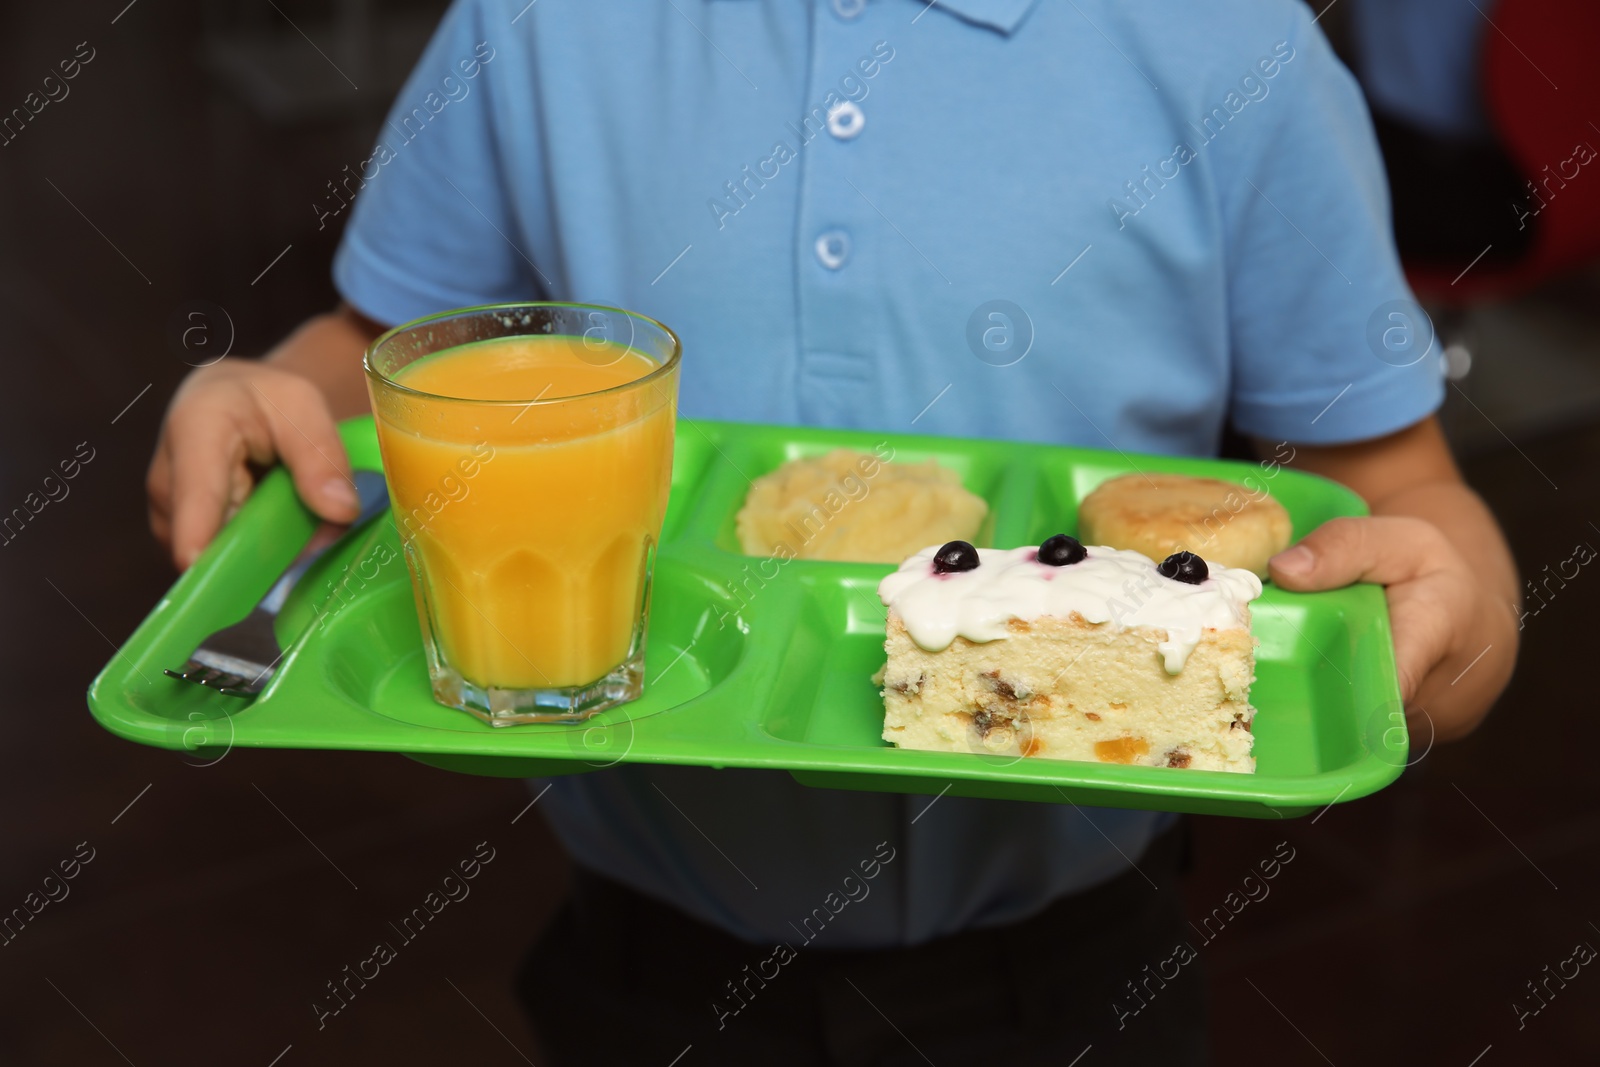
(528, 450)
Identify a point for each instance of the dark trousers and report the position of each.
(620, 978)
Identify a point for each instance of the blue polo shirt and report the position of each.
(1092, 223)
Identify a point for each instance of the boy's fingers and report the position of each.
(207, 454)
(1422, 638)
(307, 440)
(1408, 555)
(1385, 550)
(242, 485)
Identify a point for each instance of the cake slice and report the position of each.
(1067, 652)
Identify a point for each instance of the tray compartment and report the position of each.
(692, 453)
(825, 694)
(1304, 723)
(371, 655)
(1314, 720)
(724, 481)
(763, 449)
(1067, 475)
(235, 572)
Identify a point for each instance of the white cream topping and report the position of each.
(1112, 586)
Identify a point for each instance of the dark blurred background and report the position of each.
(178, 174)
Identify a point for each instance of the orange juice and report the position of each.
(530, 521)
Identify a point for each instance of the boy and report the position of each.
(1082, 222)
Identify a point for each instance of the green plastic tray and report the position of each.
(753, 663)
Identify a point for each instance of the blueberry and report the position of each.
(955, 556)
(1061, 551)
(1184, 567)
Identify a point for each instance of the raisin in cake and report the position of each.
(1068, 652)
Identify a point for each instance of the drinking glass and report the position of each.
(530, 524)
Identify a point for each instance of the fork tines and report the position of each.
(212, 678)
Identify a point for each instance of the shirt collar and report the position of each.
(1002, 15)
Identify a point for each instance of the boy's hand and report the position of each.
(225, 417)
(1451, 583)
(1443, 616)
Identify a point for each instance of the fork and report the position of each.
(240, 659)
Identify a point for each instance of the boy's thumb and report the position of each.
(336, 499)
(1385, 550)
(309, 445)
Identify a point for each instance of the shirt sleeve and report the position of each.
(434, 226)
(1327, 342)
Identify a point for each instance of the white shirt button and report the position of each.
(833, 249)
(849, 9)
(845, 120)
